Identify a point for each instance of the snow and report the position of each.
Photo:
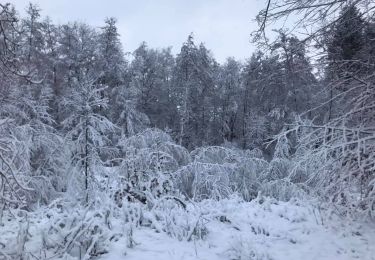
(250, 230)
(232, 229)
(152, 245)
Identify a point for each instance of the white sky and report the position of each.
(223, 25)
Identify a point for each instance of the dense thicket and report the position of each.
(337, 149)
(77, 117)
(97, 135)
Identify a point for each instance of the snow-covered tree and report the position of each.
(87, 131)
(336, 154)
(194, 82)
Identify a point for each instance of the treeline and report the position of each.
(69, 95)
(199, 101)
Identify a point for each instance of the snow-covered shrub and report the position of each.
(15, 150)
(147, 138)
(336, 163)
(152, 145)
(282, 178)
(144, 172)
(243, 249)
(248, 175)
(76, 231)
(282, 189)
(280, 166)
(215, 155)
(254, 153)
(277, 169)
(217, 172)
(204, 180)
(62, 229)
(31, 164)
(177, 220)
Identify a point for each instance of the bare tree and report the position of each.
(338, 153)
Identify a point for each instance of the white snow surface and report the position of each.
(250, 230)
(260, 229)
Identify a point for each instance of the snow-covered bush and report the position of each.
(215, 155)
(14, 168)
(282, 178)
(177, 220)
(278, 168)
(335, 163)
(152, 146)
(217, 172)
(78, 232)
(200, 181)
(31, 165)
(243, 249)
(248, 176)
(144, 172)
(283, 190)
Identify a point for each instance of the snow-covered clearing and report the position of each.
(231, 229)
(272, 230)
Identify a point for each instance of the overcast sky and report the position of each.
(223, 25)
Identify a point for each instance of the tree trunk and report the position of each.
(86, 165)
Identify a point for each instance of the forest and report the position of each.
(107, 154)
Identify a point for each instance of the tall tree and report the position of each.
(151, 72)
(227, 101)
(86, 129)
(194, 79)
(344, 41)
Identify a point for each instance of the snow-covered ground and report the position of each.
(272, 230)
(231, 229)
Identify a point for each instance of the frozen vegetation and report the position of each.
(163, 202)
(179, 157)
(227, 229)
